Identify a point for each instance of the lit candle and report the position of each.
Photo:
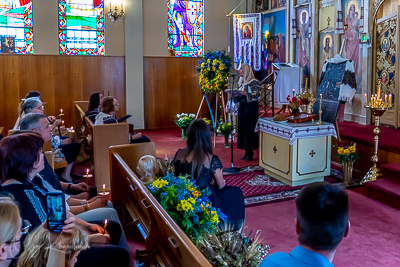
(105, 225)
(72, 128)
(320, 101)
(379, 92)
(386, 99)
(293, 91)
(87, 171)
(104, 189)
(390, 99)
(110, 5)
(61, 111)
(366, 99)
(122, 8)
(62, 123)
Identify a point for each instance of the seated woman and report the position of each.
(13, 229)
(20, 109)
(18, 178)
(94, 106)
(109, 106)
(198, 160)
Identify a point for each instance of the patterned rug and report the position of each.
(260, 188)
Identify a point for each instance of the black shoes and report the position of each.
(248, 156)
(245, 156)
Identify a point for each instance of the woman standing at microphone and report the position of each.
(249, 91)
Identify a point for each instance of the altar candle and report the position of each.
(62, 123)
(366, 99)
(293, 91)
(320, 101)
(105, 225)
(110, 5)
(61, 111)
(379, 92)
(122, 8)
(104, 189)
(386, 99)
(390, 98)
(87, 171)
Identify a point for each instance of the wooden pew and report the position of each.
(164, 240)
(102, 137)
(79, 117)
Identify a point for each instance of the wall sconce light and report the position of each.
(114, 15)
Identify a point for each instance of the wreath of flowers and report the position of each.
(213, 71)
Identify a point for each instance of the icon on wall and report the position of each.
(7, 45)
(247, 30)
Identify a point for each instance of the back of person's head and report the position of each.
(248, 74)
(30, 104)
(32, 94)
(9, 219)
(147, 168)
(18, 154)
(107, 105)
(322, 215)
(94, 102)
(37, 247)
(199, 142)
(31, 121)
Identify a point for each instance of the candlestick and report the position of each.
(105, 225)
(104, 189)
(293, 91)
(390, 99)
(62, 123)
(320, 110)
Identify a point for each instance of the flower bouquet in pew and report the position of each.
(187, 205)
(225, 247)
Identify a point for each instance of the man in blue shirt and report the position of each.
(321, 223)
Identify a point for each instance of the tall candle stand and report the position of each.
(378, 108)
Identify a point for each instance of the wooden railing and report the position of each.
(267, 94)
(165, 242)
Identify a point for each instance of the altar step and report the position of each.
(387, 189)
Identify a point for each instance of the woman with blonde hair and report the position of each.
(147, 168)
(249, 90)
(40, 242)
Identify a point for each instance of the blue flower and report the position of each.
(163, 194)
(196, 219)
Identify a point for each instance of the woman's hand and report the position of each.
(98, 203)
(79, 187)
(63, 239)
(95, 229)
(66, 141)
(136, 136)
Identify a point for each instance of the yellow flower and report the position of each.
(340, 150)
(346, 151)
(191, 200)
(215, 62)
(159, 183)
(184, 205)
(203, 64)
(352, 149)
(214, 69)
(221, 66)
(208, 68)
(214, 217)
(196, 194)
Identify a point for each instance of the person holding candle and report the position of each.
(249, 90)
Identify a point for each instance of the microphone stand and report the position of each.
(232, 169)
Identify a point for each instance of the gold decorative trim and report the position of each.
(377, 4)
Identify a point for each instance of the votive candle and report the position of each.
(366, 99)
(61, 111)
(104, 189)
(62, 123)
(385, 98)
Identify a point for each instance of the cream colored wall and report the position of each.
(45, 30)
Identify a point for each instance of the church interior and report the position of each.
(326, 112)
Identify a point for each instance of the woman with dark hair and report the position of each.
(20, 162)
(109, 106)
(197, 159)
(94, 106)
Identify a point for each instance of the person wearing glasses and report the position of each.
(109, 106)
(13, 231)
(20, 161)
(20, 109)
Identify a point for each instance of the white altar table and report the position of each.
(295, 153)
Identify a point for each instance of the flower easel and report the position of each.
(213, 73)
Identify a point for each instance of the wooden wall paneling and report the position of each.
(61, 81)
(170, 87)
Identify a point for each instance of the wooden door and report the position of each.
(385, 68)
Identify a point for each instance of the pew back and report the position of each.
(163, 237)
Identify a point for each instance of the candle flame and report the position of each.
(105, 222)
(87, 171)
(104, 186)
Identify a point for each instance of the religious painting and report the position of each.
(7, 45)
(16, 21)
(274, 39)
(278, 3)
(386, 53)
(247, 30)
(303, 39)
(81, 27)
(325, 48)
(261, 5)
(185, 27)
(353, 22)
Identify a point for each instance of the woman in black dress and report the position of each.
(249, 90)
(197, 159)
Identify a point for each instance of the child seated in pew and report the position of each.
(147, 168)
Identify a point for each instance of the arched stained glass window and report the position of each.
(185, 28)
(81, 27)
(16, 26)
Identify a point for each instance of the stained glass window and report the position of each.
(16, 26)
(185, 28)
(81, 27)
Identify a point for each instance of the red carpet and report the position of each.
(259, 188)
